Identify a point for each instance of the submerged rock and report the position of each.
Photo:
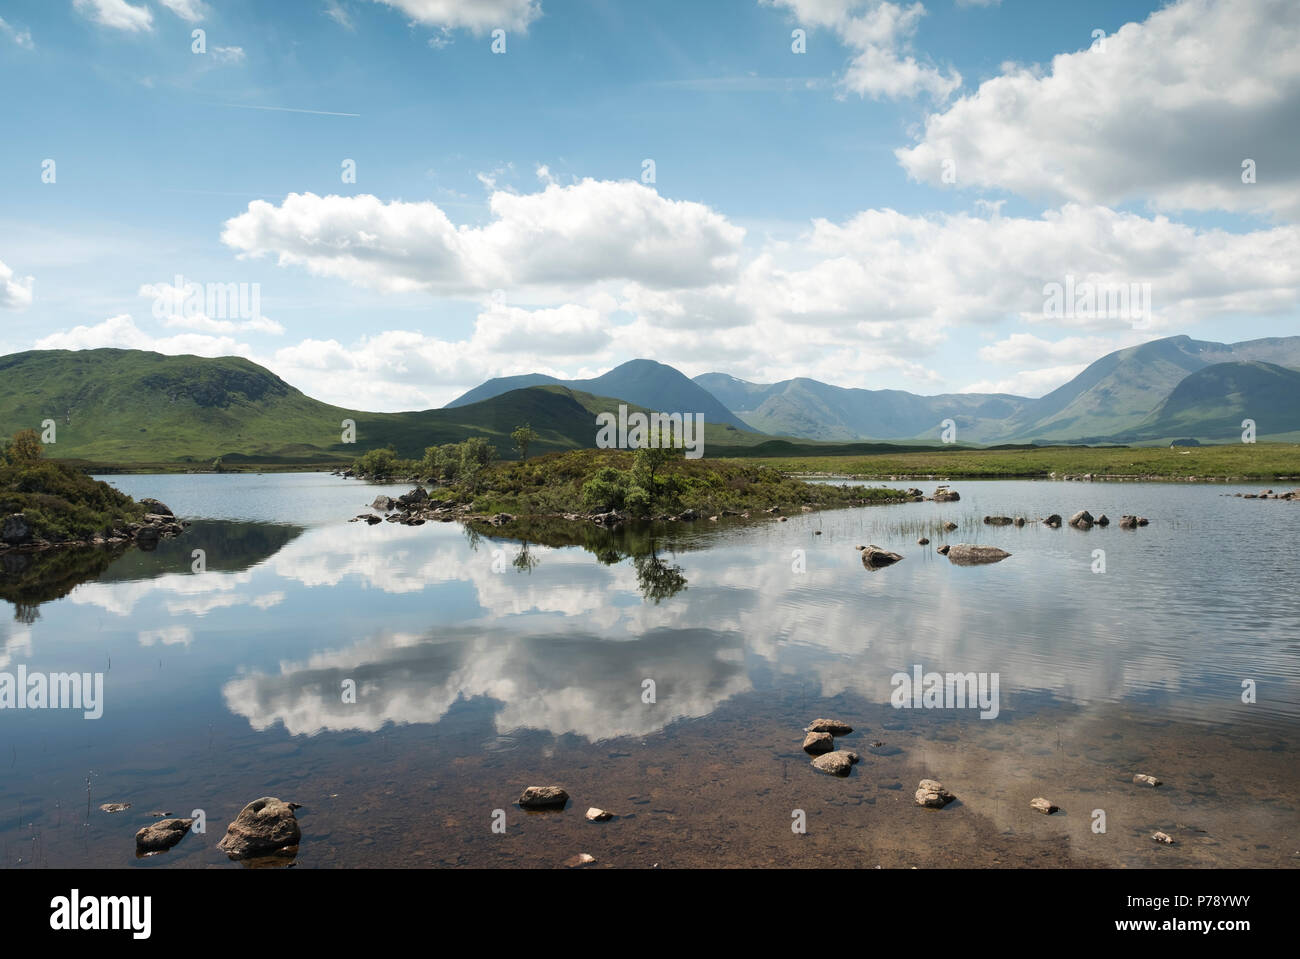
(263, 827)
(162, 835)
(838, 763)
(1142, 779)
(998, 520)
(115, 806)
(543, 797)
(595, 814)
(931, 793)
(945, 495)
(1103, 520)
(818, 743)
(944, 550)
(1043, 806)
(833, 726)
(949, 526)
(922, 542)
(1165, 838)
(968, 554)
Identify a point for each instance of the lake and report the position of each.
(666, 674)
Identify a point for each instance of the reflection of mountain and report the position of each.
(29, 579)
(564, 683)
(228, 547)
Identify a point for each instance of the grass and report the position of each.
(61, 503)
(1260, 461)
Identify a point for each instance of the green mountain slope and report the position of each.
(1211, 404)
(131, 406)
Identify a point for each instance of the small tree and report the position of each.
(523, 436)
(648, 462)
(475, 455)
(26, 447)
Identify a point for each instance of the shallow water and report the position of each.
(482, 665)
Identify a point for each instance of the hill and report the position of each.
(1211, 404)
(650, 385)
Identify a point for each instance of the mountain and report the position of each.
(645, 383)
(132, 406)
(1211, 403)
(811, 409)
(1107, 401)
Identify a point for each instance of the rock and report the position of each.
(115, 806)
(1054, 521)
(1082, 520)
(689, 515)
(147, 536)
(263, 827)
(595, 814)
(1165, 838)
(500, 519)
(1020, 521)
(15, 530)
(153, 506)
(998, 520)
(372, 519)
(1143, 521)
(967, 554)
(875, 744)
(818, 743)
(949, 526)
(1103, 520)
(833, 726)
(932, 794)
(413, 498)
(543, 797)
(873, 557)
(944, 495)
(159, 814)
(581, 859)
(384, 503)
(944, 550)
(838, 763)
(922, 542)
(1128, 522)
(1043, 806)
(783, 519)
(162, 835)
(1142, 779)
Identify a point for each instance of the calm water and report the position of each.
(484, 664)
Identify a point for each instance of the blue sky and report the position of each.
(799, 221)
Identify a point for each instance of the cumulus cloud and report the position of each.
(191, 10)
(117, 14)
(120, 332)
(15, 291)
(880, 33)
(582, 233)
(1165, 112)
(228, 54)
(477, 16)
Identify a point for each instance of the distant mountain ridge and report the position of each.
(645, 383)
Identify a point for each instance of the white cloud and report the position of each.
(1164, 111)
(228, 54)
(336, 12)
(1025, 348)
(21, 37)
(477, 16)
(117, 14)
(880, 32)
(121, 332)
(1031, 383)
(580, 234)
(191, 10)
(177, 306)
(15, 291)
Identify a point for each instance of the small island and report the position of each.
(46, 504)
(464, 481)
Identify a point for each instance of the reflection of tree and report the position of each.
(29, 579)
(524, 560)
(656, 578)
(27, 613)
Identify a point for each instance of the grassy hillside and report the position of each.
(136, 407)
(1211, 404)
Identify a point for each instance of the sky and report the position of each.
(387, 202)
